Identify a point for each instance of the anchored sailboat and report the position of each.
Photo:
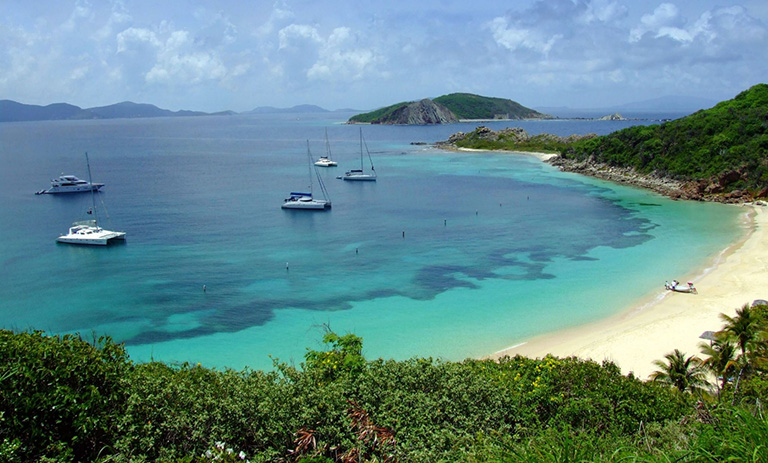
(88, 232)
(359, 174)
(298, 200)
(326, 161)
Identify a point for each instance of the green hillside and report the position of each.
(469, 106)
(463, 106)
(725, 147)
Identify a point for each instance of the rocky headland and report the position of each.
(517, 139)
(423, 112)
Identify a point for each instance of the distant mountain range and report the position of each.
(12, 111)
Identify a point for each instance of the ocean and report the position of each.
(448, 255)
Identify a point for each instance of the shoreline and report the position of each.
(648, 329)
(544, 157)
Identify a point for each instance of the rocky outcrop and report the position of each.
(623, 175)
(613, 117)
(511, 135)
(424, 112)
(717, 189)
(714, 189)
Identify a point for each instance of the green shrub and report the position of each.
(60, 397)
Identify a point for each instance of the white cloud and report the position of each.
(119, 15)
(604, 11)
(359, 55)
(340, 61)
(664, 18)
(127, 38)
(296, 35)
(82, 11)
(514, 38)
(280, 13)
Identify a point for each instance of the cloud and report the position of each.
(119, 15)
(602, 11)
(514, 38)
(297, 35)
(297, 51)
(82, 11)
(127, 39)
(279, 15)
(664, 22)
(340, 61)
(176, 60)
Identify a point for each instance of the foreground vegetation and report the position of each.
(64, 399)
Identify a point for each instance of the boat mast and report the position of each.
(309, 168)
(367, 151)
(90, 184)
(361, 149)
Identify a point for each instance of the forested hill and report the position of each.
(447, 109)
(720, 152)
(469, 106)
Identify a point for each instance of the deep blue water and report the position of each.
(448, 254)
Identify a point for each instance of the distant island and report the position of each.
(12, 111)
(448, 109)
(717, 154)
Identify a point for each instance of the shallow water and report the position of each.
(447, 255)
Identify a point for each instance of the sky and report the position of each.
(216, 55)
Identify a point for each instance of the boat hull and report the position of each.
(359, 178)
(307, 205)
(322, 163)
(72, 189)
(91, 238)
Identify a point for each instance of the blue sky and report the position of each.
(213, 55)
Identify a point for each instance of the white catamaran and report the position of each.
(89, 232)
(298, 200)
(326, 161)
(358, 174)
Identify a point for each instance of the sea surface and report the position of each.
(448, 255)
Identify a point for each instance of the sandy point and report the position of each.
(541, 156)
(665, 321)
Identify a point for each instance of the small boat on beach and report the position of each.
(70, 184)
(680, 288)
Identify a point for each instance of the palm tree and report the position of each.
(686, 374)
(721, 359)
(742, 328)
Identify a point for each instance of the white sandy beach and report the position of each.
(666, 321)
(540, 156)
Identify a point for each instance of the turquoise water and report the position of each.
(448, 255)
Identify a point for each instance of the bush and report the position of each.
(60, 397)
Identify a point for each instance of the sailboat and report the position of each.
(88, 232)
(326, 161)
(298, 200)
(358, 174)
